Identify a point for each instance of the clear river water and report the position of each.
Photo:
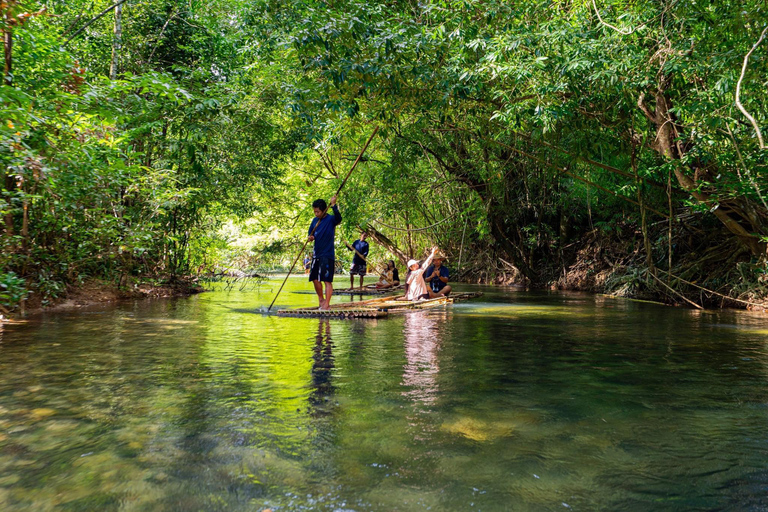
(514, 401)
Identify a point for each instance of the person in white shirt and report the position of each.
(416, 287)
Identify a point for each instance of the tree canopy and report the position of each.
(162, 138)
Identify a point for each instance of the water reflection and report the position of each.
(422, 344)
(518, 402)
(321, 396)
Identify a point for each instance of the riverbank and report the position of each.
(98, 291)
(713, 276)
(595, 268)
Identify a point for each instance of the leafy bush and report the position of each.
(12, 291)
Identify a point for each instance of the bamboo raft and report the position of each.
(367, 291)
(376, 308)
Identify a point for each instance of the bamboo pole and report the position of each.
(363, 258)
(303, 247)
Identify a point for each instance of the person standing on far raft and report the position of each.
(417, 288)
(358, 263)
(324, 256)
(436, 276)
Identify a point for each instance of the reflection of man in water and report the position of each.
(357, 333)
(322, 368)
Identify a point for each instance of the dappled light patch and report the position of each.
(518, 310)
(478, 430)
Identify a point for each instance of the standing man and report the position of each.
(359, 265)
(324, 257)
(436, 276)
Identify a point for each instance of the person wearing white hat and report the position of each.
(417, 288)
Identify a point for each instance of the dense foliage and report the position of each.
(130, 175)
(529, 135)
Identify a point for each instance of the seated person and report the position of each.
(417, 288)
(390, 277)
(307, 264)
(436, 276)
(385, 279)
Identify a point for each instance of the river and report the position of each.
(514, 401)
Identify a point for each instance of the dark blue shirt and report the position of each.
(436, 284)
(361, 247)
(325, 233)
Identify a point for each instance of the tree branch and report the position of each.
(157, 43)
(620, 31)
(77, 19)
(94, 20)
(738, 90)
(644, 108)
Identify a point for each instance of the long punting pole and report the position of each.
(303, 247)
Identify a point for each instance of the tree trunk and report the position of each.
(408, 233)
(384, 241)
(643, 215)
(25, 226)
(457, 168)
(668, 145)
(7, 44)
(512, 250)
(117, 42)
(9, 187)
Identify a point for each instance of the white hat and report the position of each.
(412, 263)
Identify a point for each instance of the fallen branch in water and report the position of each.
(712, 291)
(686, 299)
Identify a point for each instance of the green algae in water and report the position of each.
(522, 401)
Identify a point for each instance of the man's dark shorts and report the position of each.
(357, 270)
(437, 285)
(322, 270)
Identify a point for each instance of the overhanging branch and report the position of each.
(738, 90)
(94, 20)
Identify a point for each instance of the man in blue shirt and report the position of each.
(436, 277)
(358, 263)
(324, 257)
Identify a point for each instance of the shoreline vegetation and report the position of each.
(97, 291)
(615, 147)
(595, 275)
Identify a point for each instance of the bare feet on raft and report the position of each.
(324, 305)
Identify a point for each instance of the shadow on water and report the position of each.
(523, 401)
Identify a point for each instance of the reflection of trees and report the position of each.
(322, 368)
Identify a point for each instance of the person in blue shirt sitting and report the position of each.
(436, 277)
(324, 257)
(359, 265)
